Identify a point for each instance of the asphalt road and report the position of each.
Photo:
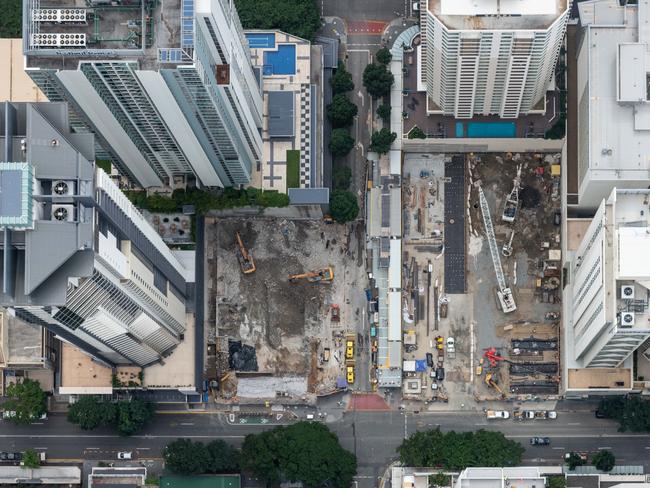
(365, 9)
(373, 436)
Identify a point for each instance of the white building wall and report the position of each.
(483, 72)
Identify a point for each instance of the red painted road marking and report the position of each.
(366, 27)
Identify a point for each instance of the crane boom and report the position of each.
(504, 293)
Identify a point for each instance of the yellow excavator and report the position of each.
(245, 258)
(492, 382)
(324, 275)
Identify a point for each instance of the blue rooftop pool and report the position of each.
(282, 61)
(261, 40)
(486, 129)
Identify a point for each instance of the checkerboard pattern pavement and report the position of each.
(305, 135)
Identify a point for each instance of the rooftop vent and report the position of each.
(627, 292)
(627, 319)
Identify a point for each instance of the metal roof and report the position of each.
(309, 196)
(281, 113)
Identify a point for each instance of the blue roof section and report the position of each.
(309, 196)
(170, 55)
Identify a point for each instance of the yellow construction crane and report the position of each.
(317, 276)
(245, 258)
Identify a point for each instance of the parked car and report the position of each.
(451, 344)
(600, 415)
(540, 441)
(430, 360)
(434, 386)
(350, 375)
(581, 455)
(125, 455)
(440, 342)
(440, 374)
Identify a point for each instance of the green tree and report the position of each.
(556, 481)
(632, 413)
(383, 112)
(341, 80)
(133, 415)
(11, 19)
(90, 412)
(298, 17)
(416, 133)
(185, 457)
(341, 178)
(26, 399)
(306, 452)
(343, 206)
(459, 450)
(440, 479)
(384, 56)
(381, 141)
(30, 459)
(574, 460)
(341, 143)
(222, 458)
(341, 111)
(377, 80)
(604, 460)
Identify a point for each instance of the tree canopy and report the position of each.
(459, 450)
(90, 412)
(306, 451)
(186, 457)
(383, 112)
(127, 416)
(381, 141)
(11, 19)
(377, 80)
(341, 80)
(341, 111)
(298, 17)
(384, 56)
(416, 133)
(574, 460)
(604, 460)
(343, 206)
(341, 143)
(26, 399)
(341, 178)
(133, 415)
(30, 459)
(632, 413)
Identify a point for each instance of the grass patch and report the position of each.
(293, 168)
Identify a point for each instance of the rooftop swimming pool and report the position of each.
(486, 129)
(261, 40)
(282, 61)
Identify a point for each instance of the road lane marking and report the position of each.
(92, 448)
(574, 423)
(559, 448)
(604, 448)
(43, 448)
(482, 424)
(142, 448)
(187, 423)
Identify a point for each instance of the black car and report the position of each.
(440, 374)
(600, 415)
(540, 441)
(430, 360)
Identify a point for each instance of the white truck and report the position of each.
(497, 414)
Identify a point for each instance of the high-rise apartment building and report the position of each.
(485, 57)
(608, 284)
(613, 139)
(167, 87)
(78, 258)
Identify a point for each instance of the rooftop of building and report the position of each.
(497, 14)
(45, 475)
(616, 76)
(81, 374)
(153, 33)
(15, 85)
(599, 378)
(526, 477)
(20, 343)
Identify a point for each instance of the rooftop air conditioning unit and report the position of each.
(627, 319)
(63, 213)
(627, 292)
(62, 188)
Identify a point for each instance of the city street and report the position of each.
(373, 436)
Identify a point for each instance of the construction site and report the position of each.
(481, 280)
(280, 315)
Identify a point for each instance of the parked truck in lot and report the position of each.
(497, 414)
